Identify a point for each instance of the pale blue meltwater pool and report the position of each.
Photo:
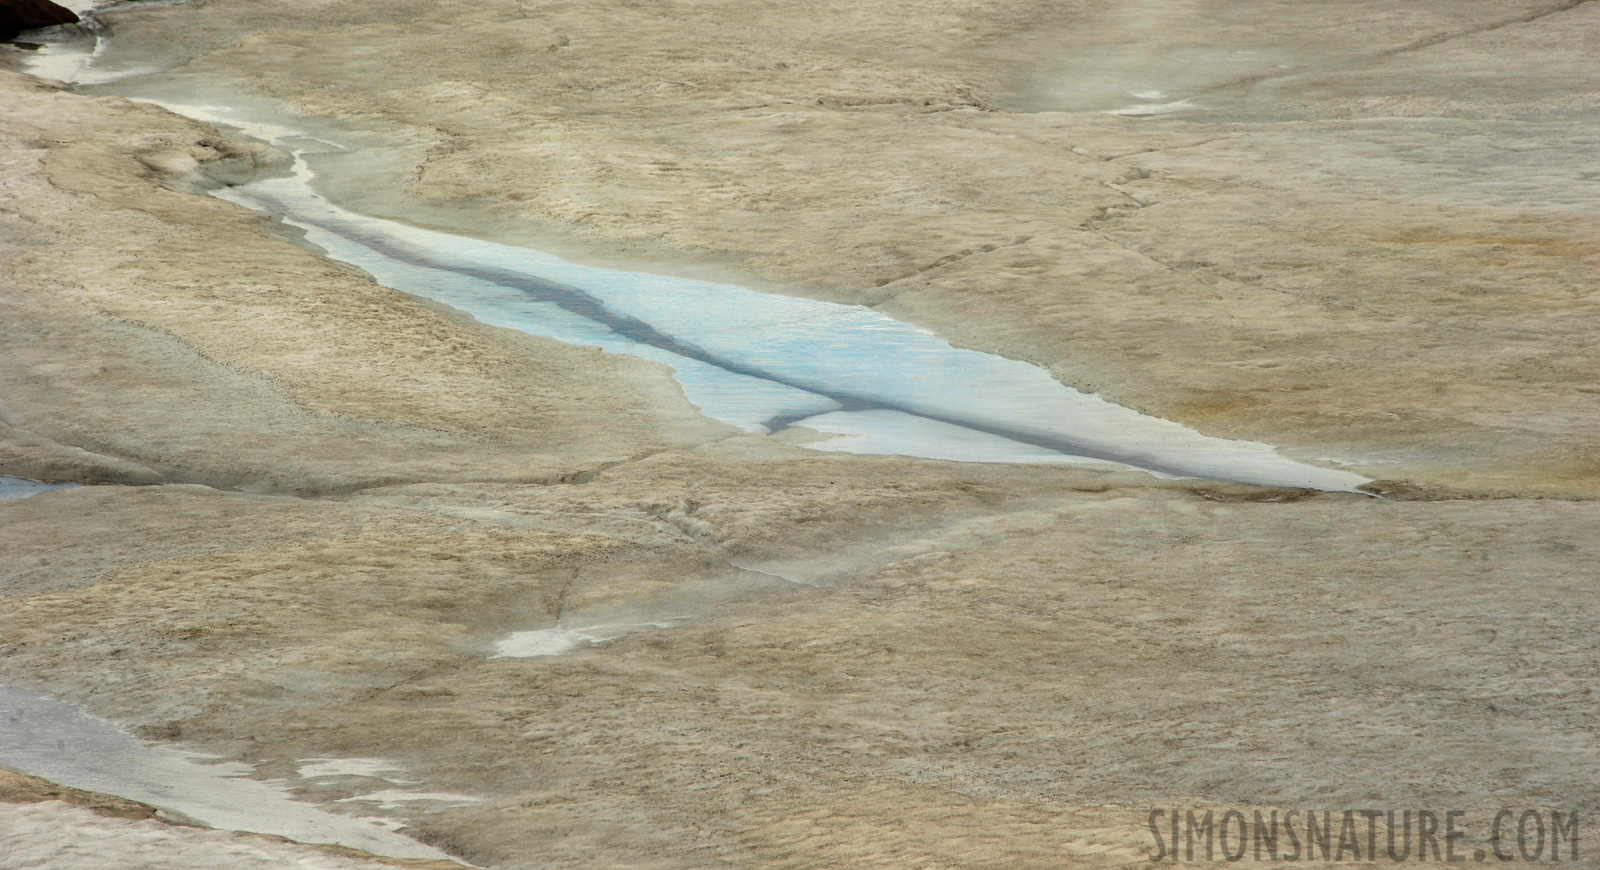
(763, 362)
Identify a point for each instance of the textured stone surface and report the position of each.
(1373, 241)
(985, 678)
(19, 15)
(157, 334)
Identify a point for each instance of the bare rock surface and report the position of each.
(134, 341)
(979, 688)
(18, 788)
(1371, 237)
(317, 506)
(20, 15)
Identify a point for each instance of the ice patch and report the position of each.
(761, 361)
(54, 740)
(894, 433)
(758, 360)
(19, 487)
(56, 836)
(371, 768)
(555, 641)
(1145, 110)
(394, 800)
(77, 60)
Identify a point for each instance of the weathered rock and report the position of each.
(1372, 242)
(18, 788)
(1386, 253)
(19, 15)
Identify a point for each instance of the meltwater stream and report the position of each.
(764, 362)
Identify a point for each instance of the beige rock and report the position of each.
(267, 368)
(1374, 240)
(977, 692)
(1381, 254)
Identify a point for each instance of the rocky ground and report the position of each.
(323, 502)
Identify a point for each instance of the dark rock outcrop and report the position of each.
(19, 15)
